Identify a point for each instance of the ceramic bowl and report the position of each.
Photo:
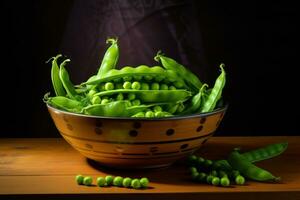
(134, 142)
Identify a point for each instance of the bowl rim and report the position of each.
(204, 114)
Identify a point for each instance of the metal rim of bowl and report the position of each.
(205, 114)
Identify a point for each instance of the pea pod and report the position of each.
(141, 70)
(249, 170)
(171, 64)
(110, 58)
(195, 102)
(216, 92)
(57, 84)
(65, 79)
(151, 96)
(65, 103)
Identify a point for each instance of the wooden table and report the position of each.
(45, 168)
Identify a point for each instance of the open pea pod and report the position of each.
(151, 96)
(155, 72)
(116, 109)
(187, 75)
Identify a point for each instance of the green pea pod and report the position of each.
(57, 84)
(249, 170)
(140, 71)
(65, 79)
(110, 58)
(195, 102)
(151, 96)
(171, 64)
(216, 92)
(65, 103)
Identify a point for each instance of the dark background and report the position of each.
(256, 42)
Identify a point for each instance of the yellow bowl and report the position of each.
(134, 142)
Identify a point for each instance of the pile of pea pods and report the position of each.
(151, 92)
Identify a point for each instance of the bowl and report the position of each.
(136, 142)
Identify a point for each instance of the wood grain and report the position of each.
(42, 168)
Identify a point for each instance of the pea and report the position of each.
(234, 173)
(201, 177)
(193, 169)
(221, 174)
(149, 114)
(79, 179)
(109, 180)
(104, 101)
(172, 87)
(240, 180)
(118, 181)
(144, 182)
(120, 97)
(159, 114)
(215, 181)
(209, 179)
(127, 85)
(109, 86)
(131, 96)
(207, 163)
(137, 78)
(87, 180)
(127, 78)
(192, 159)
(101, 181)
(164, 87)
(135, 183)
(117, 80)
(195, 175)
(119, 86)
(128, 103)
(159, 78)
(154, 86)
(136, 85)
(139, 114)
(127, 182)
(225, 181)
(136, 102)
(214, 173)
(96, 100)
(200, 160)
(91, 93)
(148, 78)
(102, 87)
(178, 84)
(145, 86)
(157, 108)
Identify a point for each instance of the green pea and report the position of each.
(118, 181)
(96, 100)
(109, 86)
(194, 175)
(131, 96)
(136, 102)
(214, 173)
(135, 183)
(127, 182)
(127, 85)
(144, 182)
(79, 179)
(208, 163)
(120, 97)
(109, 180)
(104, 101)
(101, 181)
(149, 114)
(164, 87)
(157, 108)
(159, 114)
(209, 179)
(234, 173)
(201, 177)
(154, 86)
(137, 78)
(127, 78)
(136, 85)
(128, 103)
(102, 87)
(192, 159)
(119, 86)
(200, 161)
(148, 78)
(215, 181)
(91, 93)
(172, 87)
(145, 86)
(139, 114)
(222, 173)
(225, 181)
(87, 180)
(178, 84)
(240, 180)
(193, 169)
(117, 80)
(159, 78)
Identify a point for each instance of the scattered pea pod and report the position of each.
(110, 58)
